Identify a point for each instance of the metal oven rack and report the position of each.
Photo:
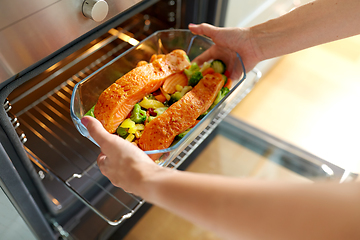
(47, 125)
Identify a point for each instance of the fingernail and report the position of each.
(191, 24)
(85, 121)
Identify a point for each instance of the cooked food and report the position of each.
(161, 131)
(118, 100)
(177, 79)
(158, 103)
(218, 66)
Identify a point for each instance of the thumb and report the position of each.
(203, 29)
(96, 130)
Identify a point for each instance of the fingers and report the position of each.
(204, 57)
(203, 29)
(96, 130)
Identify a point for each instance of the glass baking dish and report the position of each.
(86, 92)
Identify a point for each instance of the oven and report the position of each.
(51, 186)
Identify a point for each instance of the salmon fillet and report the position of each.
(117, 101)
(161, 131)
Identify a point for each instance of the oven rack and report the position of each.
(85, 169)
(58, 100)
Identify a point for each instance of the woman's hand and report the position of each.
(228, 40)
(124, 164)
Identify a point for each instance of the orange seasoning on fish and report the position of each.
(180, 116)
(117, 101)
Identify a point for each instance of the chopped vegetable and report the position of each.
(205, 66)
(179, 88)
(122, 132)
(220, 96)
(181, 135)
(203, 115)
(140, 126)
(150, 118)
(151, 96)
(167, 96)
(229, 83)
(218, 66)
(138, 115)
(177, 95)
(150, 103)
(225, 79)
(190, 71)
(160, 110)
(152, 112)
(128, 123)
(227, 73)
(138, 134)
(195, 79)
(90, 112)
(160, 97)
(130, 137)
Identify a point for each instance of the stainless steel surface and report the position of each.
(31, 30)
(96, 10)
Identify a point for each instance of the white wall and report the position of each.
(245, 13)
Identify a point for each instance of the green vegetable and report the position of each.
(177, 95)
(203, 115)
(181, 135)
(150, 103)
(160, 110)
(195, 78)
(90, 112)
(225, 79)
(218, 66)
(138, 115)
(150, 96)
(205, 66)
(222, 93)
(122, 132)
(220, 96)
(190, 71)
(150, 118)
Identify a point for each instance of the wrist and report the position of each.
(150, 177)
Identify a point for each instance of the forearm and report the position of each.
(236, 208)
(312, 24)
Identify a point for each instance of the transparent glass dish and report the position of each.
(86, 92)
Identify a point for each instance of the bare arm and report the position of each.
(231, 207)
(315, 23)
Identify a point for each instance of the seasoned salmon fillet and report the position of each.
(180, 116)
(117, 101)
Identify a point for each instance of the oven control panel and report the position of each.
(96, 10)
